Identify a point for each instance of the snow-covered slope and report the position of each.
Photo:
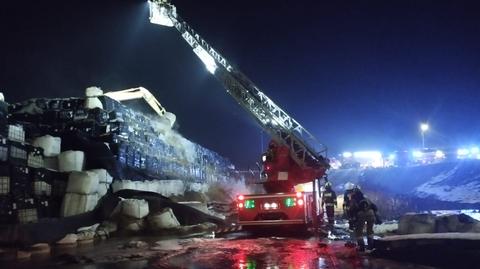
(449, 185)
(459, 184)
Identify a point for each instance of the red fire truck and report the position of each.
(294, 155)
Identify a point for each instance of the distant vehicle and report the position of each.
(427, 156)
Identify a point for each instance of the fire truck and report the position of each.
(294, 155)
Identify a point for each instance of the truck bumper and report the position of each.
(271, 222)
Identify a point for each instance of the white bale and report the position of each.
(50, 163)
(93, 91)
(2, 98)
(152, 186)
(103, 175)
(71, 161)
(135, 208)
(51, 145)
(93, 102)
(82, 182)
(74, 204)
(102, 189)
(119, 185)
(142, 185)
(163, 220)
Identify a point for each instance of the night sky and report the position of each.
(357, 74)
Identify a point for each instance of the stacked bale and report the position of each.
(81, 195)
(43, 171)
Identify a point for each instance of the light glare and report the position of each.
(417, 154)
(206, 58)
(424, 127)
(439, 154)
(368, 154)
(462, 152)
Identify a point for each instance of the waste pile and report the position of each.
(59, 157)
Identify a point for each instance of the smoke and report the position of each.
(185, 147)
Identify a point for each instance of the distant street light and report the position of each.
(423, 128)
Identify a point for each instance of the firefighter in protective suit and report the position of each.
(329, 201)
(346, 204)
(363, 210)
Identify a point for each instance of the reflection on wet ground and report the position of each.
(236, 251)
(273, 253)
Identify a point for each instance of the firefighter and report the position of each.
(347, 196)
(329, 200)
(363, 210)
(346, 204)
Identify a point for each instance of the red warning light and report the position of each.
(299, 194)
(240, 205)
(241, 197)
(300, 202)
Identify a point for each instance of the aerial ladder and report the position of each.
(294, 155)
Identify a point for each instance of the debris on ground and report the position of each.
(135, 244)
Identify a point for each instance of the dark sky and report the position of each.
(357, 74)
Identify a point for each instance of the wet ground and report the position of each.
(240, 251)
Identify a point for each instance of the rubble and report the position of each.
(164, 219)
(134, 208)
(69, 239)
(23, 255)
(430, 223)
(136, 244)
(131, 225)
(40, 249)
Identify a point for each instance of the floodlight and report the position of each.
(424, 127)
(159, 15)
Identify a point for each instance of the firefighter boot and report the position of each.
(361, 245)
(370, 243)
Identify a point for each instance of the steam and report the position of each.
(162, 125)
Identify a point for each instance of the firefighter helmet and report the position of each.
(349, 186)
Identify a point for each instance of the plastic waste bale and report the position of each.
(82, 182)
(74, 204)
(135, 208)
(51, 145)
(71, 161)
(92, 101)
